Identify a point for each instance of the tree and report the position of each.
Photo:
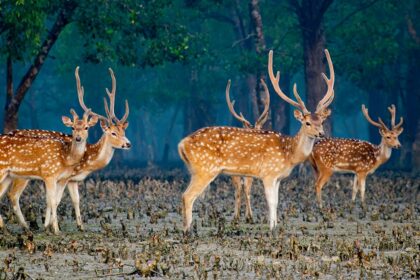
(310, 14)
(132, 33)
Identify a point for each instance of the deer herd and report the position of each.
(61, 160)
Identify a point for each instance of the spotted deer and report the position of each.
(239, 182)
(362, 158)
(44, 158)
(96, 157)
(263, 154)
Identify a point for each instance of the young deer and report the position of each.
(349, 155)
(246, 182)
(96, 157)
(51, 160)
(249, 152)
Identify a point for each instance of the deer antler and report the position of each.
(379, 124)
(275, 79)
(230, 104)
(110, 112)
(392, 110)
(264, 115)
(74, 114)
(80, 94)
(329, 96)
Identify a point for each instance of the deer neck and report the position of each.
(301, 147)
(383, 152)
(103, 154)
(76, 152)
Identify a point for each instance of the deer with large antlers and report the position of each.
(362, 158)
(38, 157)
(267, 155)
(239, 182)
(96, 157)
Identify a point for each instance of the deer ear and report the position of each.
(298, 115)
(67, 121)
(104, 125)
(125, 125)
(93, 120)
(399, 130)
(325, 113)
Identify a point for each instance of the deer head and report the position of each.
(113, 128)
(79, 126)
(389, 136)
(311, 122)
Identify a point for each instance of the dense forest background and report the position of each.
(172, 60)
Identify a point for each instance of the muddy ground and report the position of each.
(133, 230)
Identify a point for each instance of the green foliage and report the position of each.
(22, 27)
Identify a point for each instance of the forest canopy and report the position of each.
(172, 60)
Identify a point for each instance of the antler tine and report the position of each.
(80, 90)
(80, 95)
(127, 112)
(328, 98)
(230, 104)
(275, 82)
(74, 114)
(392, 111)
(111, 95)
(107, 109)
(382, 122)
(264, 115)
(300, 101)
(86, 114)
(366, 114)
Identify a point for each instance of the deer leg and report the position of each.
(51, 190)
(320, 182)
(197, 185)
(237, 183)
(73, 188)
(355, 188)
(18, 186)
(4, 185)
(247, 187)
(362, 185)
(271, 189)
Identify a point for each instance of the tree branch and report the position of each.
(63, 19)
(358, 10)
(219, 17)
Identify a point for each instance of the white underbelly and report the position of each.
(29, 177)
(341, 170)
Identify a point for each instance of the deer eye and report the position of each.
(114, 134)
(308, 123)
(72, 128)
(86, 128)
(388, 137)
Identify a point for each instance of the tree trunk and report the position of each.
(310, 14)
(280, 109)
(247, 86)
(166, 146)
(411, 135)
(261, 49)
(376, 107)
(9, 81)
(13, 103)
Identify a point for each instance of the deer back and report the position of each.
(33, 156)
(236, 151)
(345, 155)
